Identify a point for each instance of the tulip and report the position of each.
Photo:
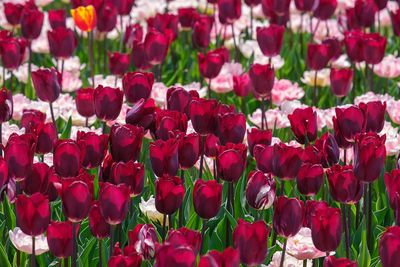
(33, 213)
(251, 239)
(60, 239)
(66, 158)
(129, 258)
(189, 150)
(137, 85)
(369, 156)
(170, 255)
(139, 58)
(169, 194)
(131, 174)
(288, 216)
(187, 16)
(231, 161)
(118, 63)
(310, 178)
(47, 84)
(303, 123)
(231, 128)
(286, 161)
(37, 181)
(374, 46)
(349, 121)
(185, 236)
(353, 42)
(32, 120)
(57, 18)
(107, 102)
(47, 138)
(256, 137)
(125, 142)
(328, 148)
(229, 10)
(62, 43)
(344, 186)
(365, 11)
(318, 56)
(325, 9)
(306, 5)
(144, 237)
(97, 225)
(331, 261)
(260, 190)
(326, 228)
(3, 173)
(207, 198)
(167, 121)
(210, 66)
(31, 21)
(263, 78)
(203, 115)
(270, 39)
(381, 4)
(166, 24)
(84, 17)
(106, 17)
(142, 114)
(242, 84)
(390, 240)
(164, 157)
(178, 99)
(13, 13)
(156, 46)
(202, 27)
(395, 18)
(229, 257)
(12, 52)
(392, 182)
(341, 81)
(211, 145)
(6, 105)
(114, 202)
(374, 114)
(85, 103)
(76, 200)
(93, 148)
(125, 7)
(263, 154)
(133, 34)
(310, 208)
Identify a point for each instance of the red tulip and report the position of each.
(286, 161)
(392, 182)
(62, 43)
(97, 224)
(189, 150)
(114, 202)
(6, 105)
(341, 81)
(256, 136)
(310, 178)
(230, 10)
(325, 9)
(395, 17)
(365, 11)
(3, 173)
(106, 17)
(13, 13)
(187, 16)
(60, 239)
(166, 24)
(85, 102)
(203, 115)
(178, 99)
(251, 239)
(107, 102)
(381, 4)
(288, 216)
(229, 257)
(303, 123)
(76, 200)
(185, 237)
(242, 84)
(231, 128)
(125, 6)
(374, 114)
(57, 18)
(306, 5)
(131, 174)
(318, 56)
(93, 148)
(169, 194)
(126, 142)
(66, 158)
(164, 157)
(169, 255)
(349, 121)
(210, 64)
(270, 39)
(311, 207)
(344, 185)
(138, 56)
(12, 51)
(31, 21)
(47, 138)
(331, 261)
(118, 63)
(33, 213)
(156, 46)
(47, 83)
(263, 78)
(207, 198)
(144, 238)
(168, 121)
(137, 85)
(37, 181)
(142, 114)
(328, 148)
(388, 247)
(202, 27)
(263, 154)
(231, 161)
(353, 42)
(130, 258)
(133, 34)
(374, 46)
(32, 120)
(260, 190)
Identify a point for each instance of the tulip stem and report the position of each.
(105, 55)
(4, 77)
(283, 253)
(74, 245)
(203, 231)
(66, 264)
(91, 57)
(305, 263)
(52, 115)
(164, 227)
(203, 141)
(33, 261)
(315, 88)
(112, 232)
(121, 41)
(100, 253)
(346, 230)
(251, 22)
(87, 122)
(62, 74)
(209, 89)
(344, 156)
(235, 44)
(29, 66)
(180, 221)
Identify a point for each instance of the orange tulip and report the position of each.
(84, 17)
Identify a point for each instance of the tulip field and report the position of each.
(200, 133)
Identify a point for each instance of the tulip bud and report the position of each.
(13, 13)
(66, 158)
(37, 181)
(270, 39)
(262, 78)
(365, 11)
(288, 216)
(341, 81)
(93, 148)
(374, 46)
(12, 52)
(131, 174)
(203, 115)
(76, 200)
(303, 123)
(84, 17)
(126, 142)
(242, 85)
(331, 261)
(202, 27)
(6, 105)
(326, 228)
(47, 83)
(114, 202)
(33, 213)
(210, 64)
(207, 198)
(169, 194)
(189, 150)
(353, 42)
(310, 178)
(97, 225)
(85, 102)
(156, 46)
(137, 85)
(107, 102)
(106, 17)
(231, 161)
(229, 10)
(318, 56)
(138, 56)
(60, 239)
(118, 63)
(31, 21)
(374, 114)
(57, 18)
(187, 16)
(62, 43)
(260, 190)
(164, 157)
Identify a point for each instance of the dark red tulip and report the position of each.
(230, 10)
(251, 239)
(262, 78)
(263, 154)
(57, 18)
(256, 136)
(231, 128)
(270, 39)
(33, 213)
(47, 84)
(125, 6)
(335, 47)
(286, 161)
(12, 53)
(164, 157)
(374, 46)
(231, 161)
(37, 181)
(210, 64)
(365, 11)
(6, 105)
(306, 5)
(125, 142)
(395, 17)
(318, 56)
(392, 182)
(138, 56)
(66, 158)
(203, 115)
(60, 239)
(107, 102)
(3, 173)
(168, 121)
(242, 84)
(178, 99)
(13, 13)
(353, 42)
(18, 153)
(156, 46)
(62, 43)
(114, 202)
(260, 190)
(142, 114)
(106, 17)
(350, 121)
(187, 16)
(169, 194)
(85, 102)
(352, 21)
(252, 3)
(369, 156)
(288, 216)
(31, 21)
(328, 148)
(207, 198)
(97, 225)
(131, 174)
(118, 63)
(303, 123)
(375, 115)
(331, 261)
(229, 257)
(189, 150)
(202, 27)
(326, 228)
(165, 23)
(341, 81)
(76, 200)
(130, 258)
(47, 137)
(381, 4)
(32, 120)
(280, 7)
(93, 148)
(325, 9)
(310, 178)
(185, 237)
(310, 208)
(133, 34)
(137, 85)
(211, 145)
(275, 17)
(144, 237)
(388, 247)
(170, 255)
(344, 186)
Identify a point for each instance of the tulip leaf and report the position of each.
(3, 257)
(9, 213)
(66, 133)
(364, 258)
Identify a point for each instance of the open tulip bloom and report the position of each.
(212, 133)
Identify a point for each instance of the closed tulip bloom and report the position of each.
(6, 105)
(242, 84)
(350, 121)
(369, 156)
(341, 81)
(93, 148)
(344, 186)
(168, 121)
(99, 228)
(207, 198)
(211, 145)
(57, 18)
(47, 84)
(126, 142)
(13, 13)
(231, 161)
(210, 64)
(84, 17)
(138, 56)
(230, 10)
(262, 78)
(76, 200)
(260, 190)
(62, 43)
(332, 261)
(203, 115)
(280, 7)
(335, 47)
(325, 9)
(164, 157)
(131, 174)
(365, 11)
(142, 114)
(60, 239)
(395, 17)
(33, 213)
(156, 46)
(3, 172)
(381, 4)
(169, 194)
(288, 216)
(374, 46)
(32, 120)
(388, 245)
(133, 34)
(170, 255)
(47, 137)
(114, 202)
(118, 63)
(353, 42)
(85, 102)
(286, 161)
(392, 182)
(251, 239)
(106, 17)
(37, 181)
(187, 15)
(326, 228)
(306, 5)
(12, 53)
(107, 102)
(270, 39)
(125, 6)
(229, 257)
(137, 85)
(318, 56)
(66, 158)
(144, 237)
(310, 178)
(131, 259)
(178, 99)
(18, 153)
(166, 24)
(31, 21)
(310, 208)
(202, 30)
(185, 236)
(231, 128)
(304, 126)
(329, 148)
(257, 136)
(189, 150)
(263, 154)
(375, 115)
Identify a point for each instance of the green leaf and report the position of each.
(67, 130)
(3, 257)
